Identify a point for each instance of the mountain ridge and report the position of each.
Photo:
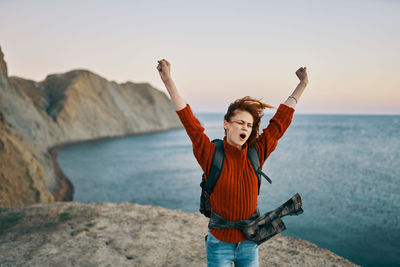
(68, 107)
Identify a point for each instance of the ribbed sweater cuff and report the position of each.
(284, 114)
(188, 119)
(184, 110)
(286, 108)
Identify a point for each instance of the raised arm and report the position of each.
(203, 149)
(164, 69)
(278, 124)
(295, 96)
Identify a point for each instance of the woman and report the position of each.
(235, 194)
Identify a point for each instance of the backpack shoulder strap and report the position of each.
(216, 165)
(254, 158)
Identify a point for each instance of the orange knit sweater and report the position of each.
(236, 192)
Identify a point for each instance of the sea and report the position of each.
(346, 168)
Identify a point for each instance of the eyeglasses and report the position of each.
(243, 123)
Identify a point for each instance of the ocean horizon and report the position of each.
(345, 167)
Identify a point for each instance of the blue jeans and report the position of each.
(220, 253)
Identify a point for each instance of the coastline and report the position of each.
(65, 190)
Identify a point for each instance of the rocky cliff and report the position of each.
(68, 107)
(21, 169)
(125, 234)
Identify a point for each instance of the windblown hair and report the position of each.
(254, 107)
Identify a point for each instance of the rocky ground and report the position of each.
(125, 234)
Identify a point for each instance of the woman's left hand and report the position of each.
(301, 73)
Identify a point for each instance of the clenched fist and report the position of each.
(301, 73)
(164, 69)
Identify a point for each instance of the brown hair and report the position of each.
(254, 107)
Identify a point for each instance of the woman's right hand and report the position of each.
(164, 69)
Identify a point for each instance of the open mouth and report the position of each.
(242, 136)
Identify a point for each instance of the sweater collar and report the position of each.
(234, 151)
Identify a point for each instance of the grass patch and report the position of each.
(77, 231)
(9, 220)
(50, 224)
(21, 222)
(90, 224)
(64, 216)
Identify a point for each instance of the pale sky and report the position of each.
(219, 50)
